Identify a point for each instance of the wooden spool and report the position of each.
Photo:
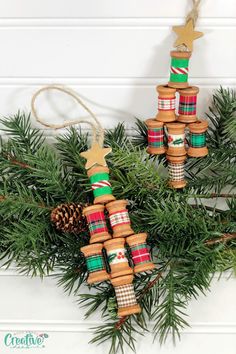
(140, 254)
(178, 161)
(187, 104)
(155, 137)
(94, 259)
(119, 218)
(95, 216)
(117, 259)
(99, 176)
(197, 131)
(166, 104)
(176, 139)
(179, 69)
(127, 303)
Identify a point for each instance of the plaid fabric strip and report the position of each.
(119, 218)
(96, 223)
(140, 254)
(197, 140)
(166, 104)
(125, 295)
(187, 105)
(176, 171)
(155, 137)
(95, 263)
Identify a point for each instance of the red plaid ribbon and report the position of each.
(140, 254)
(187, 105)
(155, 137)
(97, 223)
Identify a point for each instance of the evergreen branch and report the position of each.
(13, 161)
(214, 195)
(223, 239)
(144, 291)
(35, 177)
(19, 128)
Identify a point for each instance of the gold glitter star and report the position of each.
(186, 35)
(95, 155)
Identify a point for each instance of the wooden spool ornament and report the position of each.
(176, 139)
(155, 137)
(140, 253)
(176, 171)
(99, 179)
(166, 104)
(188, 104)
(179, 69)
(117, 259)
(119, 218)
(197, 139)
(125, 296)
(95, 263)
(97, 223)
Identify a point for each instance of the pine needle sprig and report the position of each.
(20, 130)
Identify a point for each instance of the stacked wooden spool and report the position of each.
(166, 132)
(109, 248)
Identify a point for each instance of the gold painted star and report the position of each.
(95, 155)
(186, 35)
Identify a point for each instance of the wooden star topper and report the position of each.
(95, 155)
(186, 35)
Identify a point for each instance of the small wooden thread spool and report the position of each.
(119, 218)
(155, 137)
(166, 104)
(99, 179)
(176, 139)
(188, 104)
(96, 222)
(125, 296)
(197, 139)
(117, 259)
(95, 263)
(140, 254)
(176, 171)
(179, 69)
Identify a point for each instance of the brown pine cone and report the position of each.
(69, 218)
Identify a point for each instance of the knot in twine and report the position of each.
(97, 129)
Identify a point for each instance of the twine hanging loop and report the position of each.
(193, 14)
(97, 130)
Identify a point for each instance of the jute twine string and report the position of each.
(97, 130)
(193, 14)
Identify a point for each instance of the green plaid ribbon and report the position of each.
(197, 140)
(95, 263)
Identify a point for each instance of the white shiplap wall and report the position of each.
(113, 53)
